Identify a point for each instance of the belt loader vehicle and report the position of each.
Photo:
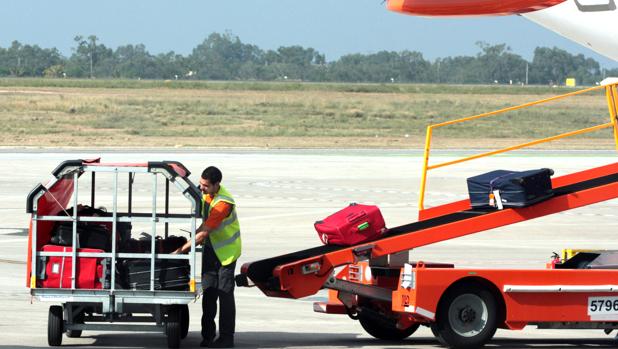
(391, 296)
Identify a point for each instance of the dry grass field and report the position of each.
(305, 117)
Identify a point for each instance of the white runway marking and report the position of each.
(12, 241)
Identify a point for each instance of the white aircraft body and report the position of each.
(591, 23)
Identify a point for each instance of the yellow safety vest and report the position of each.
(225, 239)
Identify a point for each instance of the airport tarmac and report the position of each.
(279, 195)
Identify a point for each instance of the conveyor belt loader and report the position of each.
(376, 284)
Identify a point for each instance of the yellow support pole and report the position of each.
(612, 97)
(612, 101)
(421, 197)
(523, 145)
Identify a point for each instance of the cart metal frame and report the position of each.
(112, 309)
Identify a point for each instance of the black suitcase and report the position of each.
(170, 274)
(88, 236)
(510, 188)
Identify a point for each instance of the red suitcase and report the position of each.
(353, 225)
(57, 274)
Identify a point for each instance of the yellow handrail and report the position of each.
(611, 93)
(612, 98)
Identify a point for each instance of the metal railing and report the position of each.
(611, 93)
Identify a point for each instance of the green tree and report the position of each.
(220, 57)
(90, 59)
(554, 65)
(27, 60)
(498, 63)
(384, 66)
(171, 65)
(54, 71)
(135, 62)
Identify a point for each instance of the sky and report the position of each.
(333, 27)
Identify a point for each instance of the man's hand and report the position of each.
(199, 238)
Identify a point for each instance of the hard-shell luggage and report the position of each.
(353, 225)
(55, 271)
(170, 274)
(503, 188)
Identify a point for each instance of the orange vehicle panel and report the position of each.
(530, 296)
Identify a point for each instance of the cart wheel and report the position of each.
(79, 319)
(172, 326)
(55, 324)
(385, 329)
(184, 321)
(466, 317)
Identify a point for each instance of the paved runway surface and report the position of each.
(280, 194)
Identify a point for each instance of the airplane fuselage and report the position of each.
(591, 23)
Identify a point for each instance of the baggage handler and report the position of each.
(220, 235)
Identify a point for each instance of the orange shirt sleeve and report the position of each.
(217, 215)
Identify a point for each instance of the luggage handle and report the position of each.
(324, 238)
(42, 268)
(521, 181)
(491, 183)
(356, 216)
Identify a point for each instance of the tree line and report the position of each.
(226, 57)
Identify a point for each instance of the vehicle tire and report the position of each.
(467, 317)
(385, 329)
(79, 319)
(172, 327)
(434, 330)
(184, 321)
(55, 325)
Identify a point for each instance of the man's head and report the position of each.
(210, 180)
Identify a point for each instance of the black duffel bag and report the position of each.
(165, 246)
(88, 236)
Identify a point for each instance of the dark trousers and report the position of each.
(227, 316)
(218, 285)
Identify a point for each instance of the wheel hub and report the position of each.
(467, 314)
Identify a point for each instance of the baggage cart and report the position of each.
(109, 307)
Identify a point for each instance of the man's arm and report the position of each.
(217, 215)
(201, 234)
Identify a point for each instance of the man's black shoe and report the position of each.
(206, 342)
(222, 343)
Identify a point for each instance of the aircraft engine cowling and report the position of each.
(468, 7)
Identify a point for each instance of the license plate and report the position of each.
(603, 307)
